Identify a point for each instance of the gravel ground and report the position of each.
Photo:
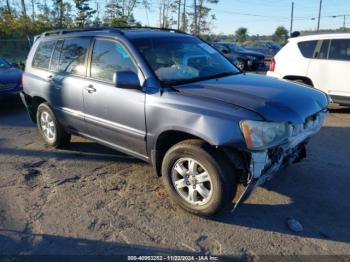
(88, 199)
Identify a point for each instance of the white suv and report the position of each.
(321, 61)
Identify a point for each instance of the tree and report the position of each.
(166, 10)
(184, 18)
(84, 12)
(113, 12)
(61, 13)
(241, 34)
(204, 19)
(280, 35)
(24, 9)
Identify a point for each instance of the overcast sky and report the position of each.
(263, 16)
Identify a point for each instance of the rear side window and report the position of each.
(43, 54)
(55, 61)
(307, 48)
(340, 49)
(324, 50)
(72, 57)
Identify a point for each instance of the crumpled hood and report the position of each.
(273, 99)
(11, 75)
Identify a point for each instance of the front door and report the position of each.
(114, 115)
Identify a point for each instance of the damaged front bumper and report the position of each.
(265, 164)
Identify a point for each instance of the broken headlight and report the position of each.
(260, 135)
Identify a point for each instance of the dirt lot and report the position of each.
(88, 199)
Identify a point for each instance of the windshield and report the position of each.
(4, 64)
(235, 48)
(183, 59)
(274, 45)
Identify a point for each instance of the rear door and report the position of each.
(330, 67)
(68, 78)
(114, 115)
(338, 67)
(318, 70)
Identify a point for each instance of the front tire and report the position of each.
(198, 178)
(50, 129)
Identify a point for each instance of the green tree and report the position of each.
(113, 12)
(62, 13)
(241, 34)
(280, 35)
(84, 13)
(204, 19)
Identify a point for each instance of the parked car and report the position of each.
(246, 60)
(172, 100)
(320, 61)
(10, 82)
(268, 48)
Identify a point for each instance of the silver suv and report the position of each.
(174, 101)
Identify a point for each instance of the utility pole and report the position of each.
(319, 16)
(195, 17)
(179, 15)
(344, 23)
(291, 20)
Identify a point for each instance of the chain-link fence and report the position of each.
(15, 50)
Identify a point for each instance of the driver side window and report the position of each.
(109, 57)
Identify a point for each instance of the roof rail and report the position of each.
(152, 28)
(73, 30)
(113, 29)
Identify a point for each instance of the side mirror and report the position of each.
(126, 79)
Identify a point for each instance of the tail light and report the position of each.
(272, 65)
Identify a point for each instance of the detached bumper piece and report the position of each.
(265, 164)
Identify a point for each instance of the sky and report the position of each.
(261, 17)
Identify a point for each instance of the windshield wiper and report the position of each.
(223, 74)
(197, 79)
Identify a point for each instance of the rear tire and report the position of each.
(198, 178)
(50, 129)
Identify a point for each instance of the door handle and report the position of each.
(90, 89)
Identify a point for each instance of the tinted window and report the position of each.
(109, 57)
(340, 49)
(72, 58)
(43, 54)
(183, 59)
(324, 50)
(307, 48)
(55, 61)
(4, 64)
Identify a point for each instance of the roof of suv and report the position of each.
(320, 37)
(132, 32)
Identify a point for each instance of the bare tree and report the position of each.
(23, 6)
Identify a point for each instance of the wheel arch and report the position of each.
(303, 79)
(33, 104)
(169, 138)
